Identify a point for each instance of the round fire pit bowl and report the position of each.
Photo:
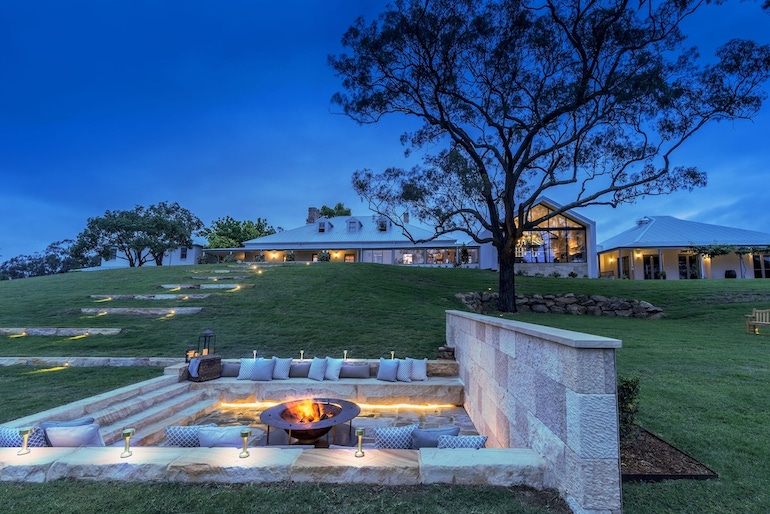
(331, 411)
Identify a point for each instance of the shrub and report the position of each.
(628, 406)
(572, 274)
(290, 256)
(324, 256)
(555, 274)
(521, 273)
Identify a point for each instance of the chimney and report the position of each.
(313, 214)
(406, 217)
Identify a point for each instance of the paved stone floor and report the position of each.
(371, 417)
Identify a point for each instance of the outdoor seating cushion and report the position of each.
(247, 368)
(394, 438)
(317, 369)
(183, 435)
(83, 435)
(220, 437)
(355, 370)
(462, 441)
(10, 438)
(428, 437)
(332, 371)
(404, 371)
(79, 422)
(299, 369)
(230, 369)
(281, 368)
(419, 368)
(262, 369)
(388, 370)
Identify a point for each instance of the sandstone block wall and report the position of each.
(553, 391)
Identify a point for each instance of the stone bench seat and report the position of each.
(435, 390)
(489, 466)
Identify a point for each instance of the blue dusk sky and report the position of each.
(225, 108)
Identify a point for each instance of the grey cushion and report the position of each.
(387, 370)
(355, 371)
(230, 369)
(419, 368)
(299, 369)
(220, 437)
(281, 368)
(263, 369)
(84, 435)
(317, 369)
(332, 371)
(79, 422)
(428, 437)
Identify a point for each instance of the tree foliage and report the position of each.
(138, 235)
(230, 233)
(337, 210)
(591, 99)
(55, 259)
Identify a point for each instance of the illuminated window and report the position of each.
(349, 257)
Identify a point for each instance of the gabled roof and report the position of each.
(671, 232)
(336, 234)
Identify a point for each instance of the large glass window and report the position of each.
(761, 265)
(688, 266)
(558, 239)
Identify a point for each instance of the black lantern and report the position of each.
(189, 353)
(207, 342)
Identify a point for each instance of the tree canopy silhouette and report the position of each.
(526, 97)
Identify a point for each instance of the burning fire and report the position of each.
(308, 411)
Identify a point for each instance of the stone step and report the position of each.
(94, 404)
(152, 434)
(139, 403)
(160, 412)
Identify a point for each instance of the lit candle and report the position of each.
(345, 354)
(302, 355)
(255, 354)
(392, 355)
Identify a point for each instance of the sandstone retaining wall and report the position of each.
(550, 390)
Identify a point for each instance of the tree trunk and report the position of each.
(506, 302)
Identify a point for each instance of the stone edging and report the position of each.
(568, 303)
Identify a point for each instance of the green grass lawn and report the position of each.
(704, 381)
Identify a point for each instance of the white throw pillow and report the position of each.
(333, 367)
(317, 369)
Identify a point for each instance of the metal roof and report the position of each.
(337, 233)
(671, 232)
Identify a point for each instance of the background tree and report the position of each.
(137, 235)
(230, 233)
(337, 210)
(56, 258)
(169, 226)
(589, 97)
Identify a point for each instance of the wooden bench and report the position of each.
(756, 318)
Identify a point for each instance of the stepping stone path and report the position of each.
(151, 311)
(234, 277)
(149, 296)
(60, 331)
(206, 286)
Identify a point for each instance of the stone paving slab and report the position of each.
(59, 331)
(142, 311)
(494, 466)
(386, 467)
(150, 296)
